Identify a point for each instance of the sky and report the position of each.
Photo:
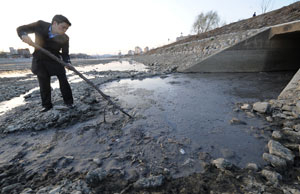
(112, 26)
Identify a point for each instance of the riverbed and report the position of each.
(181, 122)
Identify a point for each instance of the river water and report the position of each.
(199, 107)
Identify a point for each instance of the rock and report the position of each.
(288, 124)
(12, 128)
(131, 175)
(182, 151)
(297, 109)
(250, 114)
(27, 191)
(10, 188)
(269, 119)
(55, 190)
(246, 107)
(252, 166)
(97, 161)
(271, 176)
(43, 190)
(287, 129)
(76, 192)
(297, 127)
(288, 190)
(276, 135)
(287, 108)
(188, 162)
(275, 161)
(150, 182)
(96, 176)
(236, 121)
(277, 149)
(204, 156)
(291, 146)
(292, 134)
(222, 164)
(261, 107)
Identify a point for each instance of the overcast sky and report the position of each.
(110, 26)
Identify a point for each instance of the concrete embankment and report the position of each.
(272, 48)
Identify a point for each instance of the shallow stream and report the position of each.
(199, 107)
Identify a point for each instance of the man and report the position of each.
(53, 38)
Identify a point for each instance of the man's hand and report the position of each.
(27, 39)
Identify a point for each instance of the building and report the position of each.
(24, 52)
(138, 50)
(12, 51)
(19, 53)
(130, 52)
(146, 49)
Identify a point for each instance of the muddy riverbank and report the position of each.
(94, 148)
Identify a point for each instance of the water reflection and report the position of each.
(114, 66)
(14, 102)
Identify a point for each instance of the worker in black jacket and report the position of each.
(53, 38)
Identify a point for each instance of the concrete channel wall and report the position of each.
(272, 49)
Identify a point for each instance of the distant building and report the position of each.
(138, 50)
(3, 54)
(130, 52)
(146, 49)
(20, 53)
(13, 51)
(24, 52)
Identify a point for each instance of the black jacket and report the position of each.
(59, 46)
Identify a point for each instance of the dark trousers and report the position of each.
(45, 90)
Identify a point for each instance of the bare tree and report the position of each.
(206, 22)
(266, 5)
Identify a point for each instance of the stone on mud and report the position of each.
(10, 188)
(277, 149)
(297, 109)
(55, 190)
(12, 128)
(222, 164)
(261, 107)
(271, 176)
(27, 191)
(246, 107)
(288, 190)
(274, 160)
(297, 127)
(150, 182)
(95, 176)
(252, 166)
(277, 135)
(292, 134)
(236, 121)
